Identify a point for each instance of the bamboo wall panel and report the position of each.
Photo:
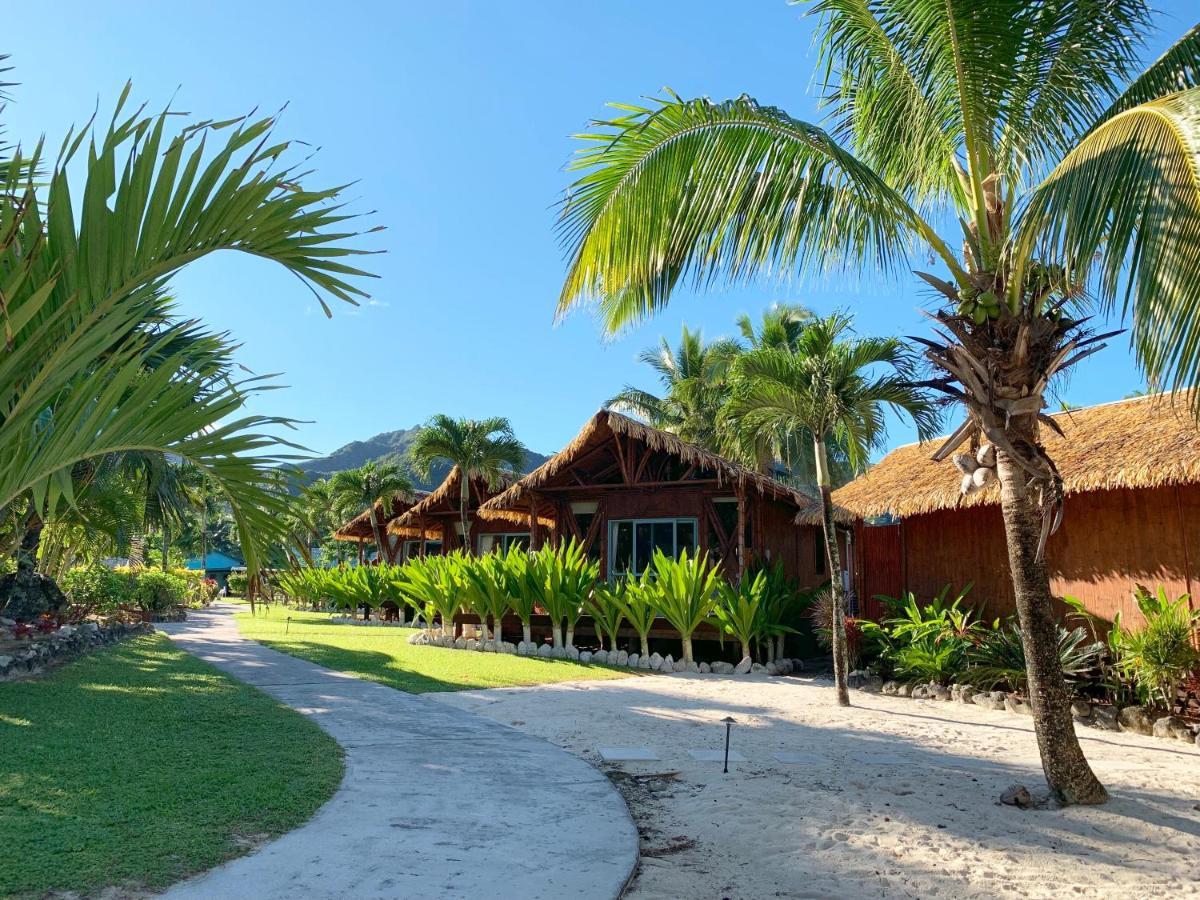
(1108, 542)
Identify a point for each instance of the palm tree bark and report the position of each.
(837, 595)
(1067, 771)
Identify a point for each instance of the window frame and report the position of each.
(674, 521)
(505, 538)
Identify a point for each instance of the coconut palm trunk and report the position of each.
(687, 648)
(1067, 771)
(838, 626)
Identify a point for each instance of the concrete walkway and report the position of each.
(436, 802)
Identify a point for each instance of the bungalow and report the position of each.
(624, 489)
(434, 524)
(1131, 474)
(359, 530)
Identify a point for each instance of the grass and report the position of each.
(139, 765)
(384, 655)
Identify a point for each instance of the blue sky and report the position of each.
(454, 118)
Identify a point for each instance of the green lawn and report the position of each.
(384, 655)
(139, 765)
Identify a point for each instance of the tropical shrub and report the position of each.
(606, 606)
(1160, 655)
(925, 641)
(159, 592)
(486, 586)
(563, 578)
(434, 586)
(740, 610)
(523, 593)
(639, 606)
(820, 615)
(238, 582)
(686, 592)
(97, 588)
(783, 606)
(998, 660)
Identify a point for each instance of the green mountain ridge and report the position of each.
(388, 446)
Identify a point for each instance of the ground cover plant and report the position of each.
(384, 655)
(139, 765)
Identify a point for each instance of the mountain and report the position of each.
(389, 446)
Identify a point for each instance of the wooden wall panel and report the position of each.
(1108, 542)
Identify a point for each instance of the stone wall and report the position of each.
(21, 657)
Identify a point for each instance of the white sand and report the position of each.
(898, 799)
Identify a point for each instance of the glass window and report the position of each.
(501, 542)
(412, 549)
(632, 542)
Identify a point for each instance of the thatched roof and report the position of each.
(1139, 443)
(359, 528)
(444, 499)
(601, 427)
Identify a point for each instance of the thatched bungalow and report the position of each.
(1131, 473)
(623, 488)
(358, 530)
(434, 525)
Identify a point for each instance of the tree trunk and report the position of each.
(166, 546)
(835, 575)
(746, 649)
(781, 644)
(687, 648)
(570, 634)
(464, 498)
(645, 641)
(527, 632)
(27, 550)
(1067, 771)
(378, 532)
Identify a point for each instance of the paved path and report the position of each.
(436, 802)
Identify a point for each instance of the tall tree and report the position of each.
(483, 449)
(694, 383)
(1070, 170)
(92, 364)
(828, 387)
(370, 484)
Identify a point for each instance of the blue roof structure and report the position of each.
(215, 560)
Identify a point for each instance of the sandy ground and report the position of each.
(892, 798)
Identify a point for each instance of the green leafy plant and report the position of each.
(1160, 654)
(434, 585)
(999, 658)
(740, 610)
(606, 606)
(639, 599)
(159, 592)
(486, 586)
(238, 582)
(685, 589)
(563, 578)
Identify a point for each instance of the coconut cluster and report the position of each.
(977, 468)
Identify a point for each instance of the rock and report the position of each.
(1017, 795)
(571, 651)
(1016, 704)
(744, 666)
(1198, 738)
(460, 643)
(600, 656)
(785, 666)
(7, 622)
(545, 651)
(705, 668)
(668, 664)
(771, 668)
(693, 668)
(643, 663)
(904, 690)
(1135, 719)
(920, 692)
(679, 665)
(757, 669)
(89, 628)
(624, 658)
(1105, 718)
(1172, 728)
(559, 653)
(585, 657)
(856, 678)
(891, 688)
(656, 662)
(521, 648)
(66, 631)
(470, 644)
(632, 660)
(5, 662)
(939, 692)
(960, 693)
(490, 647)
(872, 685)
(997, 699)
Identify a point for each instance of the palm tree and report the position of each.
(1070, 172)
(93, 362)
(483, 449)
(371, 483)
(693, 377)
(830, 388)
(781, 325)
